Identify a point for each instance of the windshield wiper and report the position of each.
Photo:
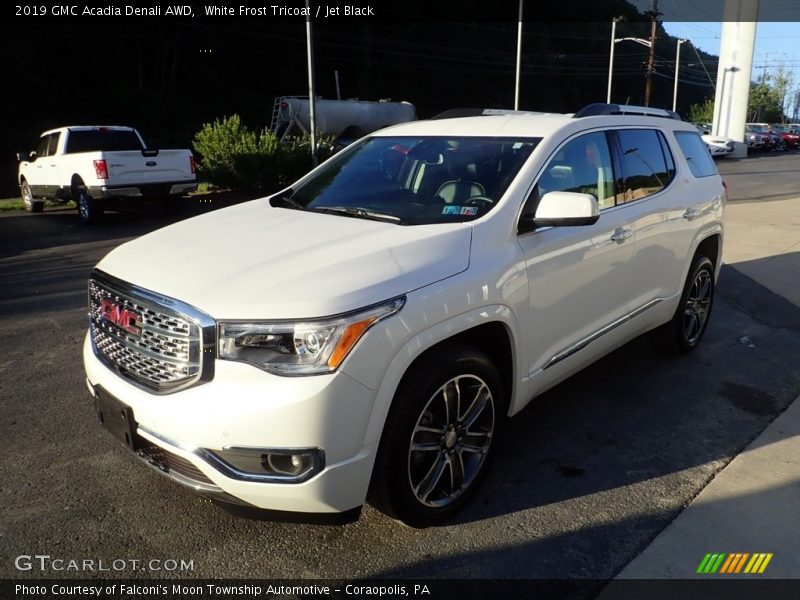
(359, 213)
(288, 202)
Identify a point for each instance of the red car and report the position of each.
(790, 136)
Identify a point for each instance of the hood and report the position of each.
(254, 261)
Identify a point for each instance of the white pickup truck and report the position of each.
(96, 166)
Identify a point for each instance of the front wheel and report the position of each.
(438, 436)
(688, 325)
(31, 205)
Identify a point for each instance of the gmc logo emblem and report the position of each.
(121, 317)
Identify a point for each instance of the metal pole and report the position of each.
(519, 58)
(312, 99)
(675, 87)
(651, 56)
(611, 58)
(338, 92)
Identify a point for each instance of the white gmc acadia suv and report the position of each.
(370, 328)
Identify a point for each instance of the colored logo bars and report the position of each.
(740, 562)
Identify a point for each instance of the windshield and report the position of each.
(415, 180)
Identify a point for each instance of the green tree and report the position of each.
(765, 103)
(703, 112)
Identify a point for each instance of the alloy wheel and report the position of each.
(451, 440)
(697, 307)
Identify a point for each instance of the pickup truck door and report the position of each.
(579, 278)
(39, 169)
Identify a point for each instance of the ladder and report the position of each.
(276, 115)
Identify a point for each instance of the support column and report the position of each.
(735, 71)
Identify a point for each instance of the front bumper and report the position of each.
(245, 407)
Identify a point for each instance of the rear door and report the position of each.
(667, 207)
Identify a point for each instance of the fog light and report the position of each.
(290, 465)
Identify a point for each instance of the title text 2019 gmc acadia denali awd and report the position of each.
(369, 329)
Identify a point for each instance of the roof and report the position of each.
(524, 125)
(88, 128)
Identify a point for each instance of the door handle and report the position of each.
(691, 214)
(620, 234)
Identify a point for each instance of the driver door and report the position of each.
(578, 277)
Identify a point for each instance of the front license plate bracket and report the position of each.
(117, 417)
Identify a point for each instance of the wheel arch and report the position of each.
(708, 239)
(489, 330)
(75, 181)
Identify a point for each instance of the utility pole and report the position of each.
(651, 57)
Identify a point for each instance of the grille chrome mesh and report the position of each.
(168, 352)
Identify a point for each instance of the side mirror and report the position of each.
(26, 156)
(566, 209)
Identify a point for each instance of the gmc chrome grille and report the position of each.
(155, 342)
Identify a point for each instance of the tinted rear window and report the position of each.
(103, 140)
(697, 155)
(644, 167)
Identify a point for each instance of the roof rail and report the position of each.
(600, 108)
(454, 113)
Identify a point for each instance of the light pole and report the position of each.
(611, 60)
(312, 100)
(611, 57)
(519, 58)
(677, 64)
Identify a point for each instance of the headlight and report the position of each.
(300, 348)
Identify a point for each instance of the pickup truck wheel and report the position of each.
(90, 210)
(684, 332)
(438, 437)
(31, 205)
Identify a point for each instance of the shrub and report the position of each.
(233, 156)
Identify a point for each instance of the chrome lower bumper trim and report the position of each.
(206, 490)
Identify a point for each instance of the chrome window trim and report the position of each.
(206, 324)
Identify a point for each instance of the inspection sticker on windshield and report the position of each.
(470, 211)
(450, 210)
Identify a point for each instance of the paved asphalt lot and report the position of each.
(583, 479)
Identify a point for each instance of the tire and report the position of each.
(425, 485)
(90, 210)
(31, 205)
(685, 331)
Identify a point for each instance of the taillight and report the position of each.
(192, 165)
(101, 169)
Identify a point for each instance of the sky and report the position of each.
(777, 32)
(777, 43)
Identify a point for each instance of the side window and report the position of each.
(584, 166)
(697, 155)
(644, 168)
(53, 145)
(41, 148)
